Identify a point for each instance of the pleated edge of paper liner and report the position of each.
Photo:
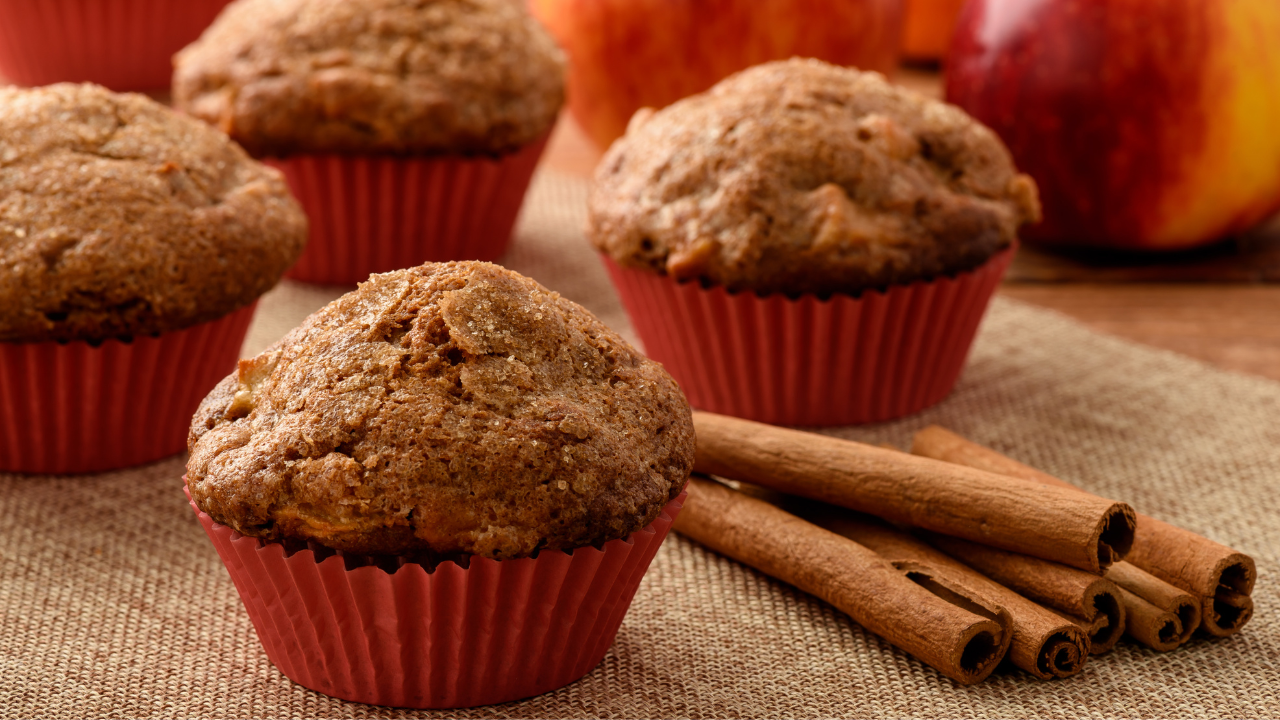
(781, 361)
(67, 44)
(614, 599)
(465, 208)
(161, 378)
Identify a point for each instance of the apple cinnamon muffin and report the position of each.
(444, 410)
(806, 244)
(119, 218)
(408, 129)
(134, 243)
(365, 76)
(802, 177)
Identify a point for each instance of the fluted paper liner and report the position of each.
(77, 408)
(453, 637)
(375, 213)
(122, 44)
(808, 361)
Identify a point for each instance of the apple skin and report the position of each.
(629, 54)
(1147, 124)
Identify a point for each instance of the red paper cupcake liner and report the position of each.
(76, 408)
(493, 632)
(841, 361)
(372, 214)
(122, 44)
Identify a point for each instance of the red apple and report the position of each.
(1148, 124)
(629, 54)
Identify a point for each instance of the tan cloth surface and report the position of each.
(114, 604)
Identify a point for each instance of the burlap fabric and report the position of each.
(113, 603)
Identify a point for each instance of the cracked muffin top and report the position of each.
(386, 76)
(119, 217)
(801, 177)
(444, 410)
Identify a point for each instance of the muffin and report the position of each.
(806, 244)
(134, 243)
(122, 44)
(409, 129)
(459, 451)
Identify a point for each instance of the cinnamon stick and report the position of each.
(1044, 644)
(1052, 523)
(1221, 578)
(1095, 604)
(1097, 607)
(950, 627)
(1177, 612)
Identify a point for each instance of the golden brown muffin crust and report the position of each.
(119, 217)
(802, 177)
(453, 408)
(361, 76)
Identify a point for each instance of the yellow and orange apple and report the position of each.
(629, 54)
(1148, 124)
(927, 26)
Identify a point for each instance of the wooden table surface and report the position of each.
(1230, 318)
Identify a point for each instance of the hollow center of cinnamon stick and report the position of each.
(1231, 602)
(1116, 539)
(1065, 660)
(1168, 632)
(1108, 607)
(1235, 578)
(1189, 615)
(981, 648)
(1059, 656)
(1230, 607)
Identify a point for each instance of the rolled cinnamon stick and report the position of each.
(1143, 592)
(950, 627)
(1154, 627)
(1044, 644)
(1218, 576)
(1052, 523)
(1095, 604)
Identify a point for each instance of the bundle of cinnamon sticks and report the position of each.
(955, 553)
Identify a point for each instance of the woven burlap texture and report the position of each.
(114, 603)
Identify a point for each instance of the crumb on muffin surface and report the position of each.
(119, 217)
(453, 408)
(374, 76)
(802, 177)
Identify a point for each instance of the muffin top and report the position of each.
(119, 217)
(374, 76)
(802, 177)
(449, 409)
